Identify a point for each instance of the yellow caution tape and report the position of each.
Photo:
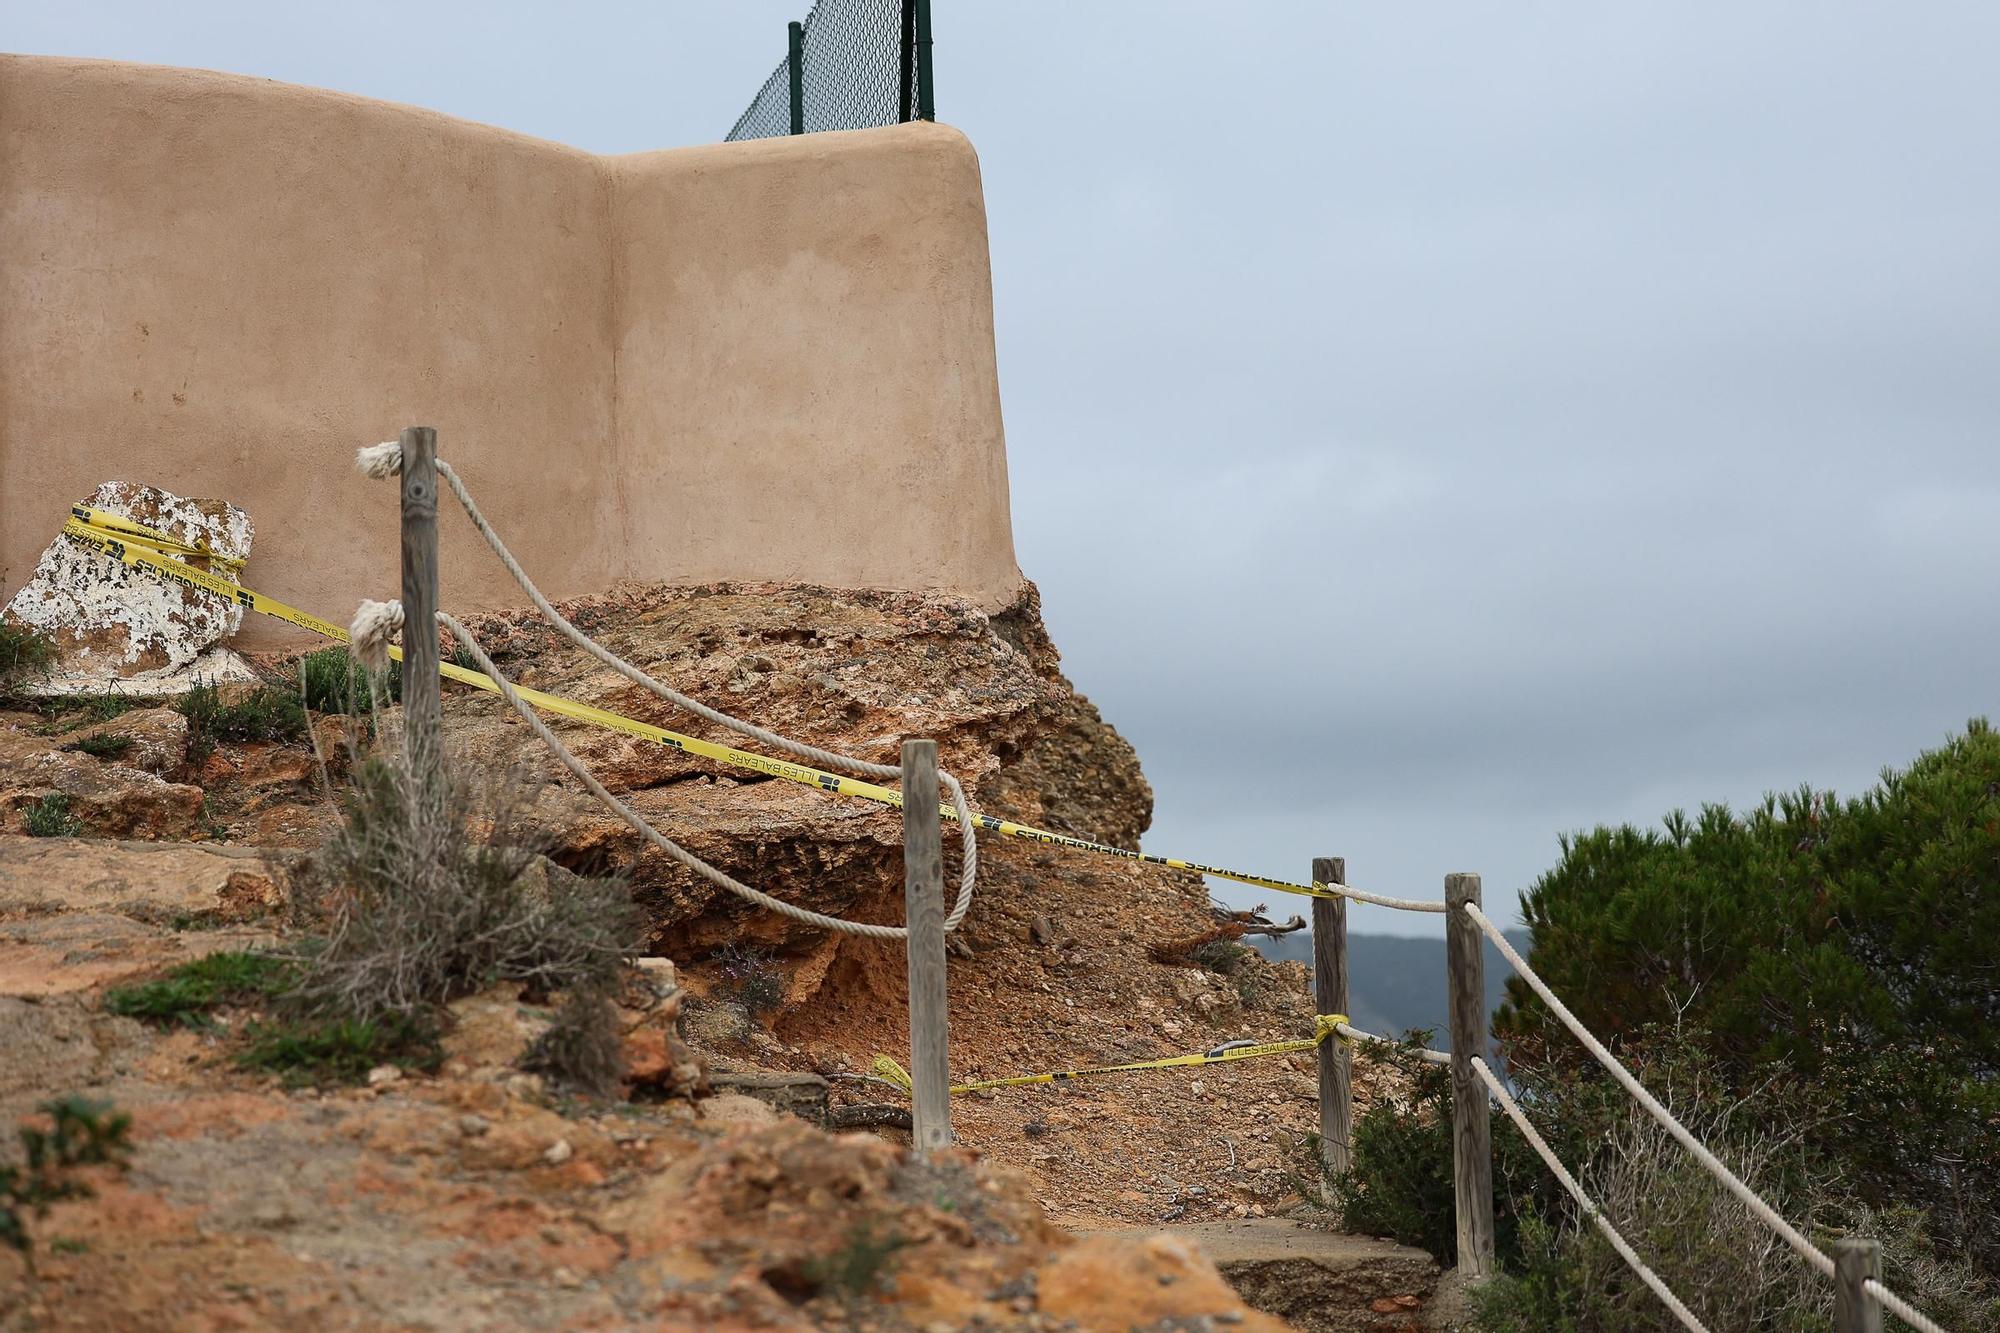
(141, 548)
(125, 527)
(1324, 1025)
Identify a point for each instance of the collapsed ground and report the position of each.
(1066, 959)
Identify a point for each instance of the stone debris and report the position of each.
(117, 630)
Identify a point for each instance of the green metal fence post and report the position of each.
(907, 67)
(796, 58)
(926, 94)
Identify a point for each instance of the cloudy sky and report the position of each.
(1432, 427)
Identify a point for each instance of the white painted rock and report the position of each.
(111, 623)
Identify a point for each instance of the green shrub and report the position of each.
(104, 745)
(25, 655)
(1852, 946)
(262, 713)
(81, 1133)
(192, 989)
(331, 681)
(1813, 988)
(1399, 1183)
(50, 817)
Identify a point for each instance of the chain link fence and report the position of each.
(851, 65)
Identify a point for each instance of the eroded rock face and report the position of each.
(110, 622)
(851, 671)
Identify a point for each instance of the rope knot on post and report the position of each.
(380, 461)
(375, 624)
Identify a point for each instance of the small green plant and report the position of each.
(104, 745)
(24, 655)
(331, 681)
(50, 817)
(70, 711)
(341, 1050)
(1223, 957)
(1400, 1182)
(69, 1245)
(751, 978)
(192, 989)
(81, 1133)
(857, 1266)
(265, 713)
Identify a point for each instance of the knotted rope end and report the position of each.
(378, 461)
(374, 624)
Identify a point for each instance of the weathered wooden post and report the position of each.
(1336, 1094)
(923, 914)
(1471, 1132)
(422, 712)
(1855, 1261)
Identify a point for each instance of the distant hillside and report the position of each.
(1396, 982)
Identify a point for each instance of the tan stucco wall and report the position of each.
(770, 360)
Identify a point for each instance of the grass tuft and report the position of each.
(104, 745)
(50, 817)
(24, 655)
(192, 989)
(341, 1050)
(265, 713)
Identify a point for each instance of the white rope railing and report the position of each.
(1748, 1197)
(1426, 1055)
(1590, 1209)
(1382, 900)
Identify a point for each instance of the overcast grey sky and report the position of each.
(1433, 428)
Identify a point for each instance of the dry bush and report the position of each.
(581, 1048)
(424, 897)
(1730, 1269)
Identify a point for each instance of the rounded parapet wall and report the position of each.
(759, 361)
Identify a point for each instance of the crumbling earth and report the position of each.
(479, 1197)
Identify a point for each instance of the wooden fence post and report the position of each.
(1854, 1262)
(1471, 1132)
(1336, 1094)
(923, 913)
(423, 715)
